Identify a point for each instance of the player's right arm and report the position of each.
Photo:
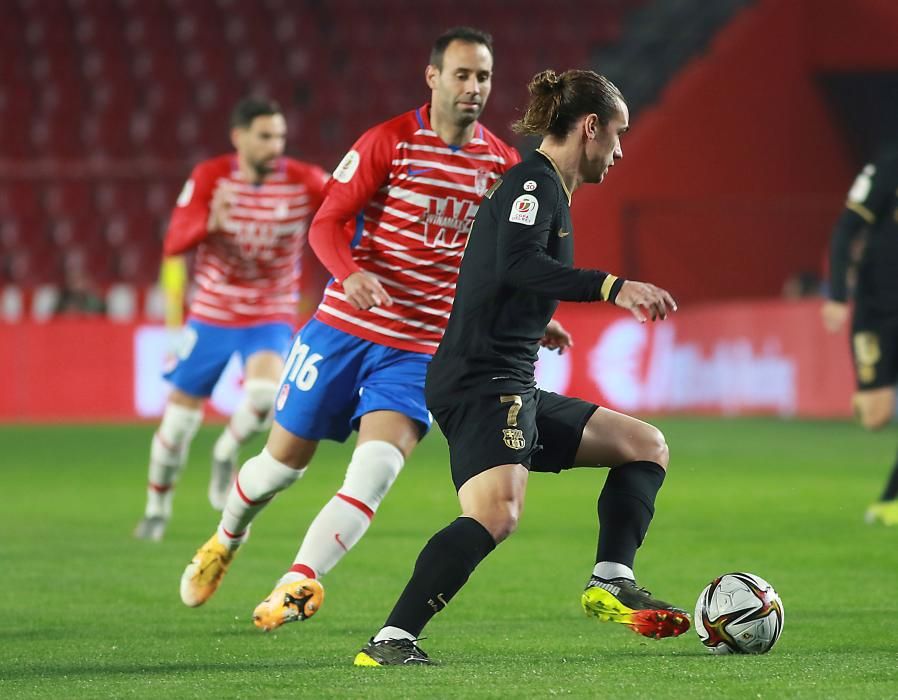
(525, 221)
(190, 220)
(363, 171)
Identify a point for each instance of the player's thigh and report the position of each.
(611, 438)
(560, 422)
(874, 347)
(487, 431)
(185, 400)
(263, 348)
(391, 396)
(319, 392)
(203, 352)
(264, 365)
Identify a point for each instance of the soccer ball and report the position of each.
(739, 613)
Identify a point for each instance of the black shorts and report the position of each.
(536, 428)
(874, 345)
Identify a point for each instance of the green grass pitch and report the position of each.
(89, 612)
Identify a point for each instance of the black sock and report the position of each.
(626, 506)
(442, 568)
(891, 490)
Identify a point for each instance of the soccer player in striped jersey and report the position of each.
(246, 214)
(392, 232)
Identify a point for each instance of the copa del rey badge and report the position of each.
(523, 210)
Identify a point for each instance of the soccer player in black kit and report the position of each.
(872, 205)
(481, 388)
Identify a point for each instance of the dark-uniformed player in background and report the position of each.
(872, 205)
(481, 387)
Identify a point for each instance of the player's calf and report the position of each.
(251, 417)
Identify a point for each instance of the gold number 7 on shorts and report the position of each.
(513, 410)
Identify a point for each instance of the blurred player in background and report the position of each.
(392, 232)
(481, 387)
(246, 214)
(872, 205)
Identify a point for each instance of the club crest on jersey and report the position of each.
(282, 396)
(481, 181)
(447, 221)
(513, 438)
(523, 210)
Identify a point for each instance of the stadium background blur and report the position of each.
(749, 120)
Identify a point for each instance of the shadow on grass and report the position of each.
(88, 670)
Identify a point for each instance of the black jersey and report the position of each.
(872, 203)
(517, 266)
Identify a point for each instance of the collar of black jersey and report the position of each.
(554, 165)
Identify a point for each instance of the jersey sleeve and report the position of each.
(190, 218)
(868, 200)
(316, 180)
(362, 172)
(525, 221)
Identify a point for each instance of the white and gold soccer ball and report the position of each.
(739, 613)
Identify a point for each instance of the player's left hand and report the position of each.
(556, 338)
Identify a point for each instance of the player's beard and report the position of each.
(465, 117)
(263, 167)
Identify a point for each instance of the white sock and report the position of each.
(393, 633)
(346, 517)
(259, 480)
(611, 569)
(168, 455)
(252, 416)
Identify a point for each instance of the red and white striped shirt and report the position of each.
(406, 201)
(249, 272)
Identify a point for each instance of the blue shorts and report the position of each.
(205, 350)
(333, 378)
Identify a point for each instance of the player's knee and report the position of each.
(260, 395)
(501, 520)
(656, 446)
(179, 426)
(648, 445)
(374, 467)
(876, 412)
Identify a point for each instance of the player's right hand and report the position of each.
(364, 291)
(834, 314)
(220, 208)
(645, 300)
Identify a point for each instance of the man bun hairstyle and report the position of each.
(249, 108)
(468, 35)
(558, 101)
